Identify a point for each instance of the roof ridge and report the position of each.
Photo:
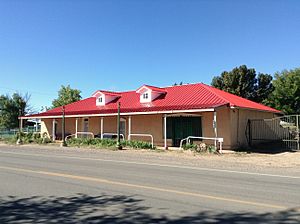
(210, 89)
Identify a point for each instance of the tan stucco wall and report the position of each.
(223, 126)
(148, 124)
(239, 119)
(46, 126)
(231, 125)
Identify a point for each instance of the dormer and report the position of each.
(105, 97)
(149, 93)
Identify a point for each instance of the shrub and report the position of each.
(192, 147)
(202, 147)
(107, 143)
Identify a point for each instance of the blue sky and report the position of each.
(120, 45)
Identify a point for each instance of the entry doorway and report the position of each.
(123, 127)
(85, 125)
(181, 127)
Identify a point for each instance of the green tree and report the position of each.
(286, 95)
(11, 107)
(66, 95)
(244, 82)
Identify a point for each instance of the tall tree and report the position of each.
(11, 107)
(286, 95)
(66, 95)
(244, 82)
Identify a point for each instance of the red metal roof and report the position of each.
(110, 93)
(182, 97)
(153, 88)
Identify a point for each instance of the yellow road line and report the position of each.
(151, 164)
(105, 181)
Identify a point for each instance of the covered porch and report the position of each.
(163, 129)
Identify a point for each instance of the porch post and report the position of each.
(101, 128)
(215, 127)
(53, 129)
(165, 131)
(36, 125)
(76, 128)
(129, 127)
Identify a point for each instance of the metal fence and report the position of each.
(6, 133)
(279, 132)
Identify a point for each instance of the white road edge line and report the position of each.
(153, 164)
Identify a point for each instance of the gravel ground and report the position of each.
(256, 162)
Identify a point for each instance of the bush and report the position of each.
(202, 147)
(32, 138)
(192, 147)
(107, 143)
(137, 144)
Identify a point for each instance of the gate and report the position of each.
(280, 132)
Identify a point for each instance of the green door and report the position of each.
(181, 127)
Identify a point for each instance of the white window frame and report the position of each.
(146, 95)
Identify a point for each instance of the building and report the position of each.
(168, 114)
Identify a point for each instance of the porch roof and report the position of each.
(183, 97)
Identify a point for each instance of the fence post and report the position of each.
(249, 131)
(298, 137)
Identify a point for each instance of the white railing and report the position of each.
(123, 138)
(144, 135)
(80, 133)
(220, 140)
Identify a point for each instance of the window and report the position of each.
(145, 96)
(100, 99)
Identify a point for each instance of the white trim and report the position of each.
(253, 109)
(129, 113)
(185, 115)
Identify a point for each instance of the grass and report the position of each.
(26, 138)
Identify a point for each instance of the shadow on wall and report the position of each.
(116, 209)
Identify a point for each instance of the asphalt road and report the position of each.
(59, 186)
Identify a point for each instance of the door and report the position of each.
(123, 127)
(181, 127)
(86, 125)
